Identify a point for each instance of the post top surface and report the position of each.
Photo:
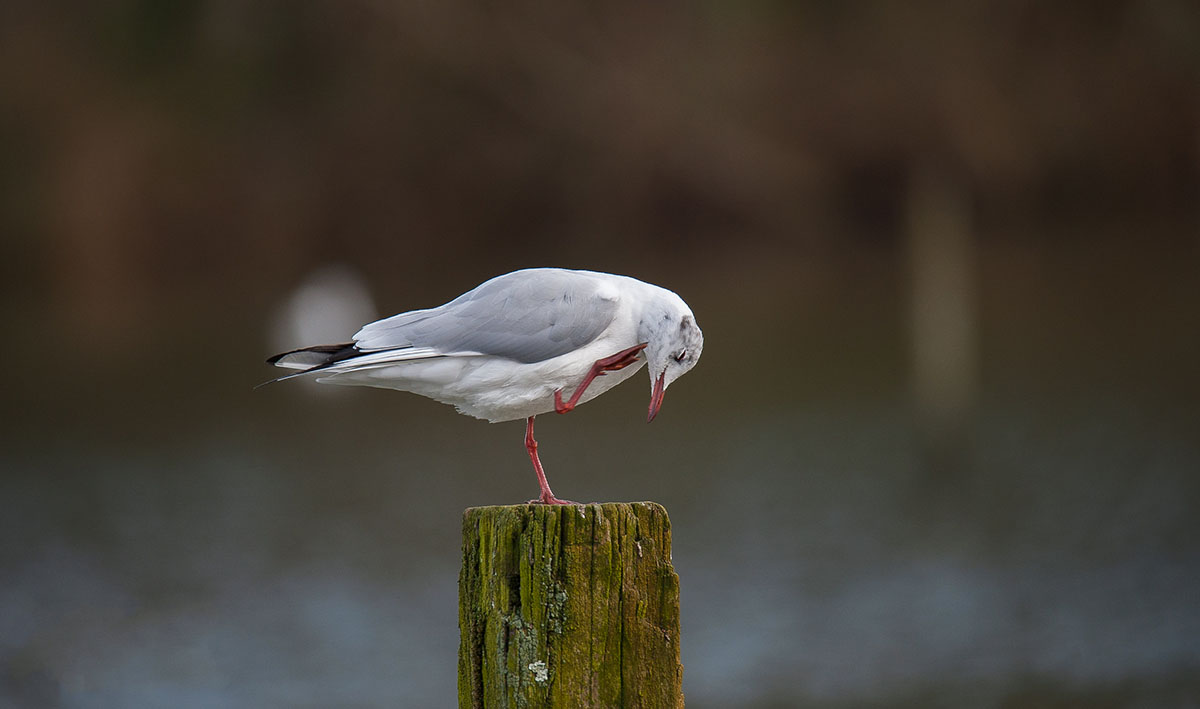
(603, 505)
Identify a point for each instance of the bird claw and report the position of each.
(621, 360)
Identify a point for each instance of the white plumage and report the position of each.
(519, 345)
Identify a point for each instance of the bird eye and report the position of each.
(679, 356)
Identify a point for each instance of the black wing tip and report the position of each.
(335, 352)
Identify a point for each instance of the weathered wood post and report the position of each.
(568, 607)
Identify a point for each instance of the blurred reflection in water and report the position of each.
(322, 308)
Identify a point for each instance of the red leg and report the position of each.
(547, 497)
(620, 360)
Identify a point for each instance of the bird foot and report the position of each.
(550, 500)
(620, 360)
(613, 363)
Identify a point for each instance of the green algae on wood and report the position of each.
(568, 606)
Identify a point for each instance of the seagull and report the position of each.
(514, 347)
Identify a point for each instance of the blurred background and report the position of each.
(941, 449)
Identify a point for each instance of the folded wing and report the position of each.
(527, 316)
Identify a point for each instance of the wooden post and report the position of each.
(568, 606)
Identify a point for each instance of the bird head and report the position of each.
(673, 345)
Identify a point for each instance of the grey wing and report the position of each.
(527, 316)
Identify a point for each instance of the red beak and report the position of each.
(656, 396)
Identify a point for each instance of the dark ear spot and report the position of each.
(685, 323)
